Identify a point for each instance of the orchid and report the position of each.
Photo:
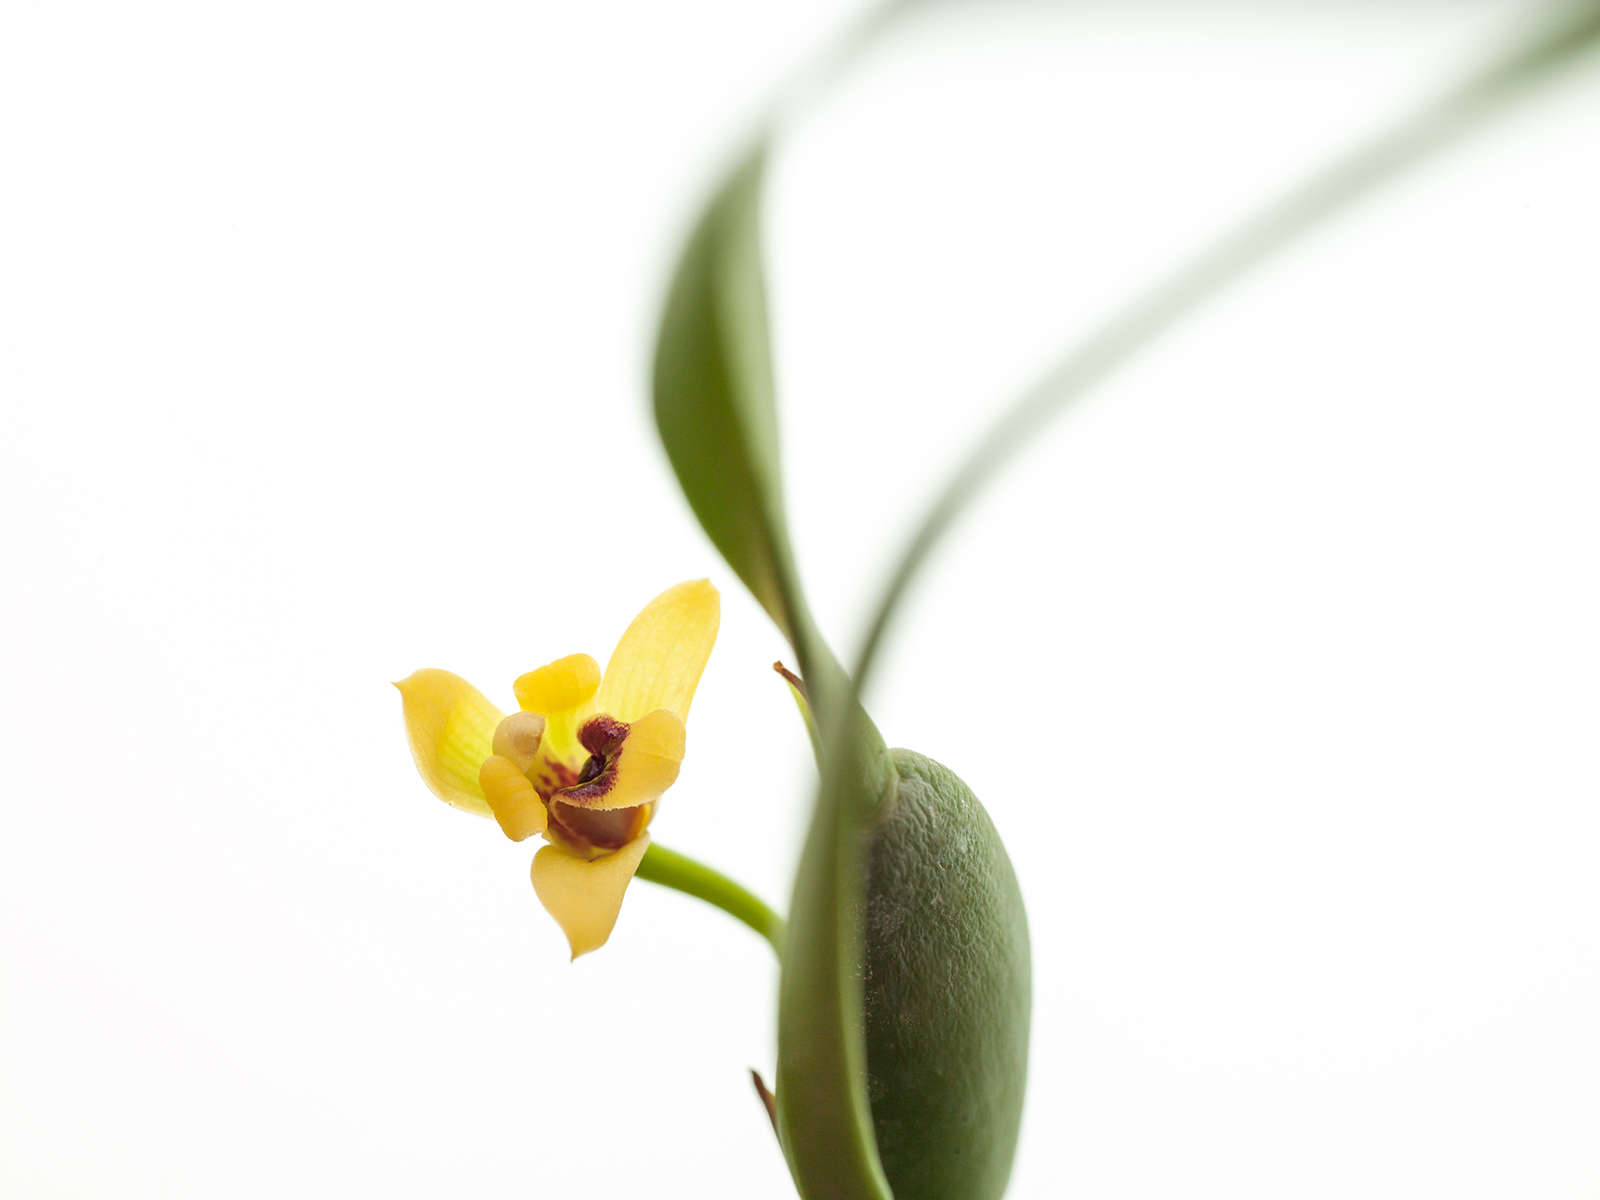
(583, 762)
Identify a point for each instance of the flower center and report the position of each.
(602, 736)
(591, 768)
(591, 832)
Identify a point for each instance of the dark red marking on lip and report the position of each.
(598, 786)
(589, 832)
(602, 735)
(554, 776)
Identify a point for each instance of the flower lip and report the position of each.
(590, 832)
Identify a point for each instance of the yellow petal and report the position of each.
(516, 805)
(518, 738)
(561, 686)
(561, 692)
(658, 662)
(646, 766)
(585, 897)
(451, 729)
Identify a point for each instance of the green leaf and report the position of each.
(713, 395)
(714, 410)
(825, 1120)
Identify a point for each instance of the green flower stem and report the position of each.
(681, 873)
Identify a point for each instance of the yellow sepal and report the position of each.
(451, 729)
(585, 897)
(658, 662)
(512, 798)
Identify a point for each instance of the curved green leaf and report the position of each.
(825, 1119)
(713, 394)
(1566, 32)
(714, 409)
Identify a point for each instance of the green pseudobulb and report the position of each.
(947, 990)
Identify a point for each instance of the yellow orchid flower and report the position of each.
(583, 762)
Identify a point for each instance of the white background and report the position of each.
(323, 345)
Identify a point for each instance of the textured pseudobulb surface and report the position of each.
(947, 989)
